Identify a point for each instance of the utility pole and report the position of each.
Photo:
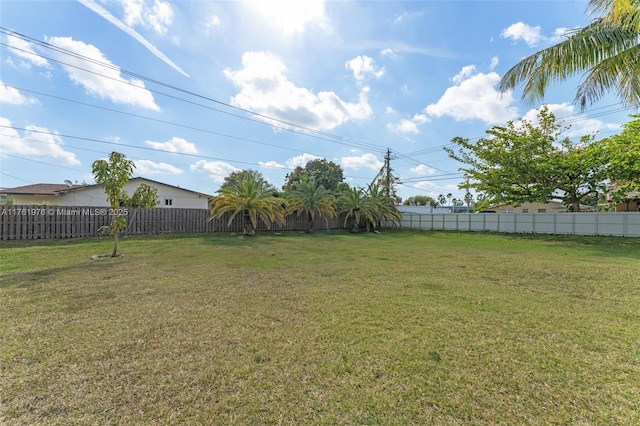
(387, 164)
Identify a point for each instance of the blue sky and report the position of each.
(172, 85)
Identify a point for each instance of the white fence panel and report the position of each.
(525, 223)
(545, 224)
(585, 224)
(632, 225)
(507, 222)
(615, 224)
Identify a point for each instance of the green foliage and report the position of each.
(236, 178)
(622, 153)
(311, 199)
(420, 200)
(367, 208)
(113, 174)
(523, 162)
(325, 173)
(144, 197)
(251, 198)
(606, 52)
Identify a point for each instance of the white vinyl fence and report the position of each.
(616, 224)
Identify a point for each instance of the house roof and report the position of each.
(40, 189)
(61, 189)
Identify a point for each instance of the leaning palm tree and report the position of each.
(251, 199)
(311, 199)
(607, 51)
(357, 207)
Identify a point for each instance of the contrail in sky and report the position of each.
(133, 33)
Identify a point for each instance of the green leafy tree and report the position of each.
(113, 174)
(253, 200)
(622, 153)
(420, 200)
(606, 52)
(525, 162)
(144, 197)
(312, 200)
(442, 200)
(325, 173)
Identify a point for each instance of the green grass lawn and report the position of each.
(391, 328)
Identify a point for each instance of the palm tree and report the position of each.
(253, 200)
(358, 208)
(384, 204)
(311, 199)
(442, 200)
(449, 196)
(607, 51)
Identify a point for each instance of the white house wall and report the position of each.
(95, 196)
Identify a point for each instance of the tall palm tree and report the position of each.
(253, 200)
(607, 51)
(311, 199)
(358, 208)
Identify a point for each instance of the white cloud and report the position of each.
(368, 161)
(300, 160)
(579, 124)
(109, 84)
(361, 66)
(10, 95)
(24, 50)
(265, 89)
(35, 142)
(475, 98)
(494, 62)
(91, 4)
(217, 170)
(532, 35)
(148, 167)
(290, 17)
(388, 52)
(174, 144)
(408, 126)
(157, 16)
(521, 31)
(465, 72)
(271, 164)
(423, 169)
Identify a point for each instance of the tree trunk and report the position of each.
(248, 225)
(309, 223)
(115, 245)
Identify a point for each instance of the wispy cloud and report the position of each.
(92, 5)
(91, 76)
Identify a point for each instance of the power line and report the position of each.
(343, 139)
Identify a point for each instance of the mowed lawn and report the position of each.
(334, 328)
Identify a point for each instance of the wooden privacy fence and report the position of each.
(36, 222)
(616, 224)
